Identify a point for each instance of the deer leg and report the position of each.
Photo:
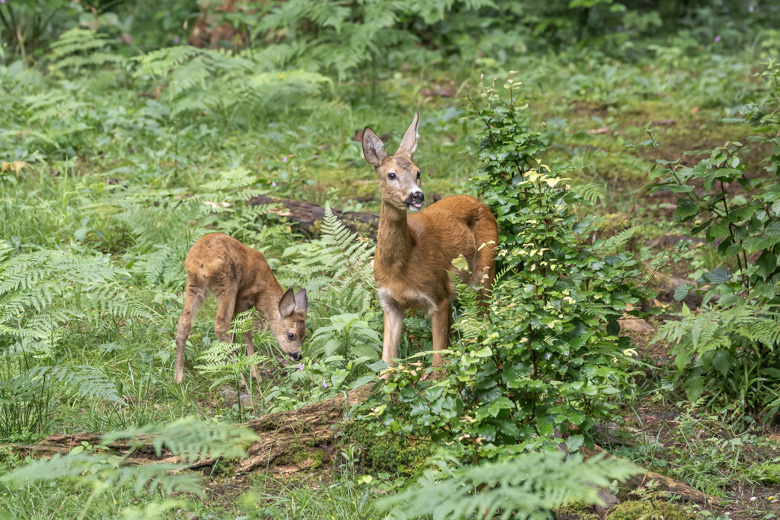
(394, 320)
(227, 303)
(440, 325)
(250, 346)
(250, 351)
(193, 298)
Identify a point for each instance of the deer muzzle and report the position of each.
(414, 200)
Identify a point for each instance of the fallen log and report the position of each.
(282, 436)
(314, 425)
(308, 216)
(667, 484)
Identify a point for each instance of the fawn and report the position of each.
(415, 252)
(240, 278)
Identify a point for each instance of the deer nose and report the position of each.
(296, 356)
(417, 197)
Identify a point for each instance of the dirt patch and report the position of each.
(701, 451)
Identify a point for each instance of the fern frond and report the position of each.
(527, 485)
(82, 381)
(80, 48)
(592, 191)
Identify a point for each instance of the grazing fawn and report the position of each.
(241, 279)
(415, 252)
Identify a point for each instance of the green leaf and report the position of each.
(686, 208)
(682, 291)
(502, 403)
(613, 327)
(719, 230)
(574, 442)
(754, 244)
(722, 362)
(545, 428)
(767, 262)
(718, 275)
(508, 428)
(461, 263)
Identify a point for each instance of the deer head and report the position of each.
(290, 328)
(399, 177)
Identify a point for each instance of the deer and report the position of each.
(415, 248)
(240, 278)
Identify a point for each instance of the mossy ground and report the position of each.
(390, 454)
(635, 510)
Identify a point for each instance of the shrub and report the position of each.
(545, 356)
(728, 349)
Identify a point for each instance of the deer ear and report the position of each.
(373, 149)
(287, 304)
(409, 142)
(301, 303)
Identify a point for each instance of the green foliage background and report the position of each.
(121, 145)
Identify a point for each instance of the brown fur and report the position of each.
(240, 278)
(415, 252)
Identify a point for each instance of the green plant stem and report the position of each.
(733, 236)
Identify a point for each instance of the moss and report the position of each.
(614, 223)
(390, 453)
(308, 458)
(305, 457)
(635, 510)
(576, 511)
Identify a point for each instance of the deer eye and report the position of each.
(290, 336)
(418, 175)
(391, 176)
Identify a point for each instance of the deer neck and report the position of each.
(394, 241)
(268, 303)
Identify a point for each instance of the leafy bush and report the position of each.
(729, 348)
(544, 357)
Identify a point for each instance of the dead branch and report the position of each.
(668, 484)
(308, 217)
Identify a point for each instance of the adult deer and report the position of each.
(415, 252)
(240, 278)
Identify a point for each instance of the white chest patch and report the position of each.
(406, 300)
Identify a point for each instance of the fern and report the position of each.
(82, 381)
(764, 329)
(343, 38)
(41, 291)
(351, 253)
(223, 363)
(341, 260)
(50, 105)
(526, 486)
(189, 439)
(721, 327)
(49, 296)
(615, 243)
(81, 48)
(201, 80)
(592, 191)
